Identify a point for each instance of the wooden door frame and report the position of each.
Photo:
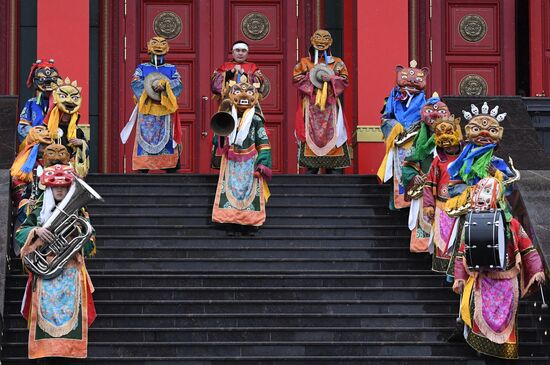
(9, 41)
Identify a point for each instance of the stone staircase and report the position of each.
(327, 280)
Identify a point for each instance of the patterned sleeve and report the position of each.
(175, 83)
(531, 263)
(263, 163)
(25, 121)
(430, 187)
(137, 82)
(300, 78)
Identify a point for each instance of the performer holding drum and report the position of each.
(496, 264)
(55, 238)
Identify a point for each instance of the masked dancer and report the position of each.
(319, 125)
(58, 309)
(156, 86)
(245, 152)
(399, 127)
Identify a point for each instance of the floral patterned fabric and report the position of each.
(498, 304)
(59, 299)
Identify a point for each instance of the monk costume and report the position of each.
(59, 310)
(156, 86)
(319, 125)
(415, 169)
(242, 190)
(490, 298)
(399, 126)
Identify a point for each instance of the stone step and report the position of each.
(176, 348)
(274, 242)
(260, 293)
(230, 334)
(206, 219)
(205, 208)
(105, 251)
(214, 306)
(213, 178)
(275, 188)
(159, 197)
(267, 320)
(256, 264)
(257, 280)
(216, 230)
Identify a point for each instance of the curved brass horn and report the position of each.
(222, 123)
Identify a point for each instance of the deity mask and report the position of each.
(411, 80)
(57, 175)
(485, 194)
(157, 46)
(243, 95)
(68, 96)
(44, 76)
(447, 131)
(484, 128)
(56, 154)
(432, 110)
(38, 134)
(321, 40)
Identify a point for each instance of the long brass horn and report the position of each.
(222, 123)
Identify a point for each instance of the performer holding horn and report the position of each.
(156, 86)
(241, 141)
(320, 127)
(58, 302)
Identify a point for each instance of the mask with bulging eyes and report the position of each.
(243, 95)
(68, 96)
(430, 112)
(321, 40)
(45, 78)
(56, 154)
(485, 194)
(447, 132)
(411, 79)
(483, 130)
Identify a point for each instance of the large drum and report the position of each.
(486, 246)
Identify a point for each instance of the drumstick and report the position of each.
(544, 306)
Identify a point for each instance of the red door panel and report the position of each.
(472, 47)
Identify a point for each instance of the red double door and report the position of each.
(200, 35)
(470, 46)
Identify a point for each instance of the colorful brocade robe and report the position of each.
(32, 115)
(444, 228)
(399, 115)
(242, 190)
(158, 132)
(418, 163)
(223, 75)
(59, 310)
(490, 299)
(321, 129)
